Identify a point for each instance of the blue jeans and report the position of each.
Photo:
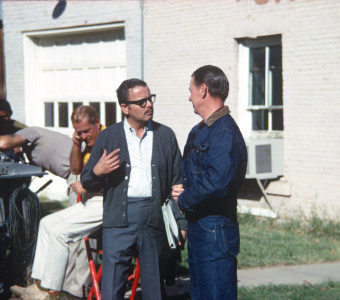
(213, 244)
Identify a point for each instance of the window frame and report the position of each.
(245, 82)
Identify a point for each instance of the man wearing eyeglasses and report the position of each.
(134, 193)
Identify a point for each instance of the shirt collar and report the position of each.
(127, 126)
(216, 115)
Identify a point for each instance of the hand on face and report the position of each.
(76, 139)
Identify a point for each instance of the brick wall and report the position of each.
(183, 35)
(27, 16)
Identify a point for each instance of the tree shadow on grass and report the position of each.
(49, 207)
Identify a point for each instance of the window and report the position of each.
(96, 106)
(63, 114)
(265, 102)
(49, 114)
(76, 104)
(110, 113)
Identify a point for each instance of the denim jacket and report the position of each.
(213, 167)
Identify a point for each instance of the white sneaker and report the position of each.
(31, 292)
(17, 290)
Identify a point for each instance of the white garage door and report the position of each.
(81, 68)
(64, 69)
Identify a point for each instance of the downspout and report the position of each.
(142, 37)
(2, 64)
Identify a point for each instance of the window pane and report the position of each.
(49, 114)
(76, 104)
(275, 59)
(96, 106)
(257, 76)
(275, 68)
(110, 113)
(260, 119)
(277, 117)
(63, 114)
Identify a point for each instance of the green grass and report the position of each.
(267, 242)
(325, 291)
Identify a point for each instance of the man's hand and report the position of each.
(76, 157)
(17, 150)
(76, 139)
(78, 188)
(107, 163)
(177, 189)
(182, 238)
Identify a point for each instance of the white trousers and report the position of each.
(56, 232)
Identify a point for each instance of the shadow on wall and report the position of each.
(59, 9)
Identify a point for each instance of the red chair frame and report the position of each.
(97, 276)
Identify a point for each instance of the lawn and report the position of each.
(325, 291)
(267, 242)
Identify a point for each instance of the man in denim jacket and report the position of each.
(214, 166)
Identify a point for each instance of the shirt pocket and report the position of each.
(198, 160)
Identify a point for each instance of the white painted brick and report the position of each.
(181, 36)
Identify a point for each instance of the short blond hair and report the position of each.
(84, 111)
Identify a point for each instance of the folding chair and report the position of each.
(97, 275)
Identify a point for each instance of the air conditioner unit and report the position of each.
(265, 158)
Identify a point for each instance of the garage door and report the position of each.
(81, 68)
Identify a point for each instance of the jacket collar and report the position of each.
(216, 115)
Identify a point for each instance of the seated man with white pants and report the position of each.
(59, 229)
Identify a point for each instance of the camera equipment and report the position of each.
(19, 220)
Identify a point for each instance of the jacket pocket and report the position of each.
(198, 160)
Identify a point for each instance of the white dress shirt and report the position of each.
(140, 152)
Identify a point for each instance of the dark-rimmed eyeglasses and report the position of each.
(142, 102)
